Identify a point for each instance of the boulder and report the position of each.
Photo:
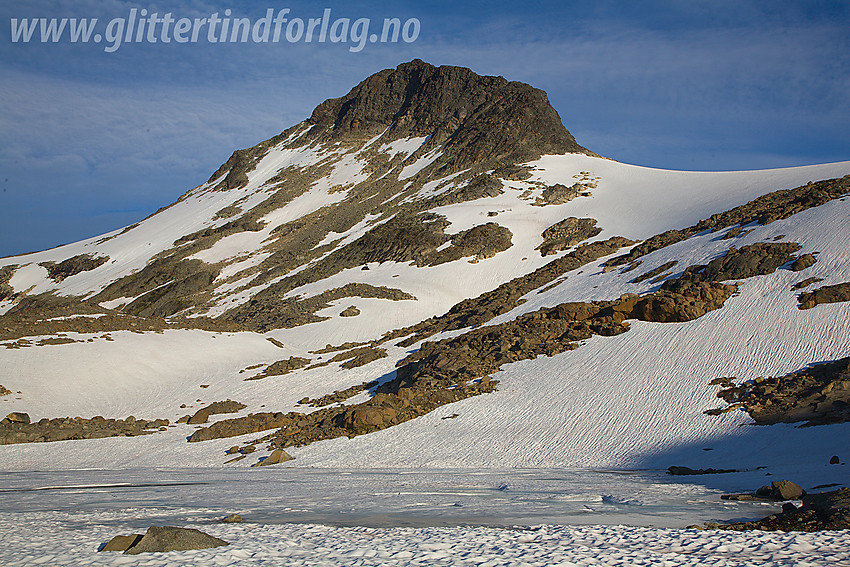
(277, 456)
(18, 417)
(231, 519)
(121, 542)
(167, 538)
(781, 490)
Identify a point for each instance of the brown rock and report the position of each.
(803, 262)
(121, 542)
(277, 456)
(781, 490)
(18, 417)
(167, 538)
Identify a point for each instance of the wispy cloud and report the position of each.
(107, 138)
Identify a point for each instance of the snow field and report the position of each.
(71, 540)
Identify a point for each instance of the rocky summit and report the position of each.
(431, 271)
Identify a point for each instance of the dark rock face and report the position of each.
(480, 118)
(6, 290)
(559, 194)
(805, 283)
(821, 511)
(73, 266)
(682, 300)
(233, 427)
(816, 395)
(167, 538)
(17, 417)
(827, 294)
(62, 429)
(416, 238)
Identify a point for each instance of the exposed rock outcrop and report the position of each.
(803, 262)
(62, 429)
(282, 367)
(566, 233)
(816, 395)
(827, 294)
(821, 511)
(203, 414)
(763, 210)
(73, 266)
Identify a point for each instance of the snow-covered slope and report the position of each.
(379, 212)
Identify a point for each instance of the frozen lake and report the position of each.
(324, 517)
(380, 498)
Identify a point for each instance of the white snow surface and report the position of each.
(55, 539)
(549, 412)
(634, 401)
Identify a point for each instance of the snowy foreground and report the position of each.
(37, 541)
(396, 517)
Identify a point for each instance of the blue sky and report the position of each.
(92, 141)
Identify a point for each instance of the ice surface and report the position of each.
(399, 517)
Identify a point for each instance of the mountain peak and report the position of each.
(479, 116)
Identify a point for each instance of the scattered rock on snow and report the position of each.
(818, 395)
(821, 511)
(685, 471)
(827, 294)
(350, 311)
